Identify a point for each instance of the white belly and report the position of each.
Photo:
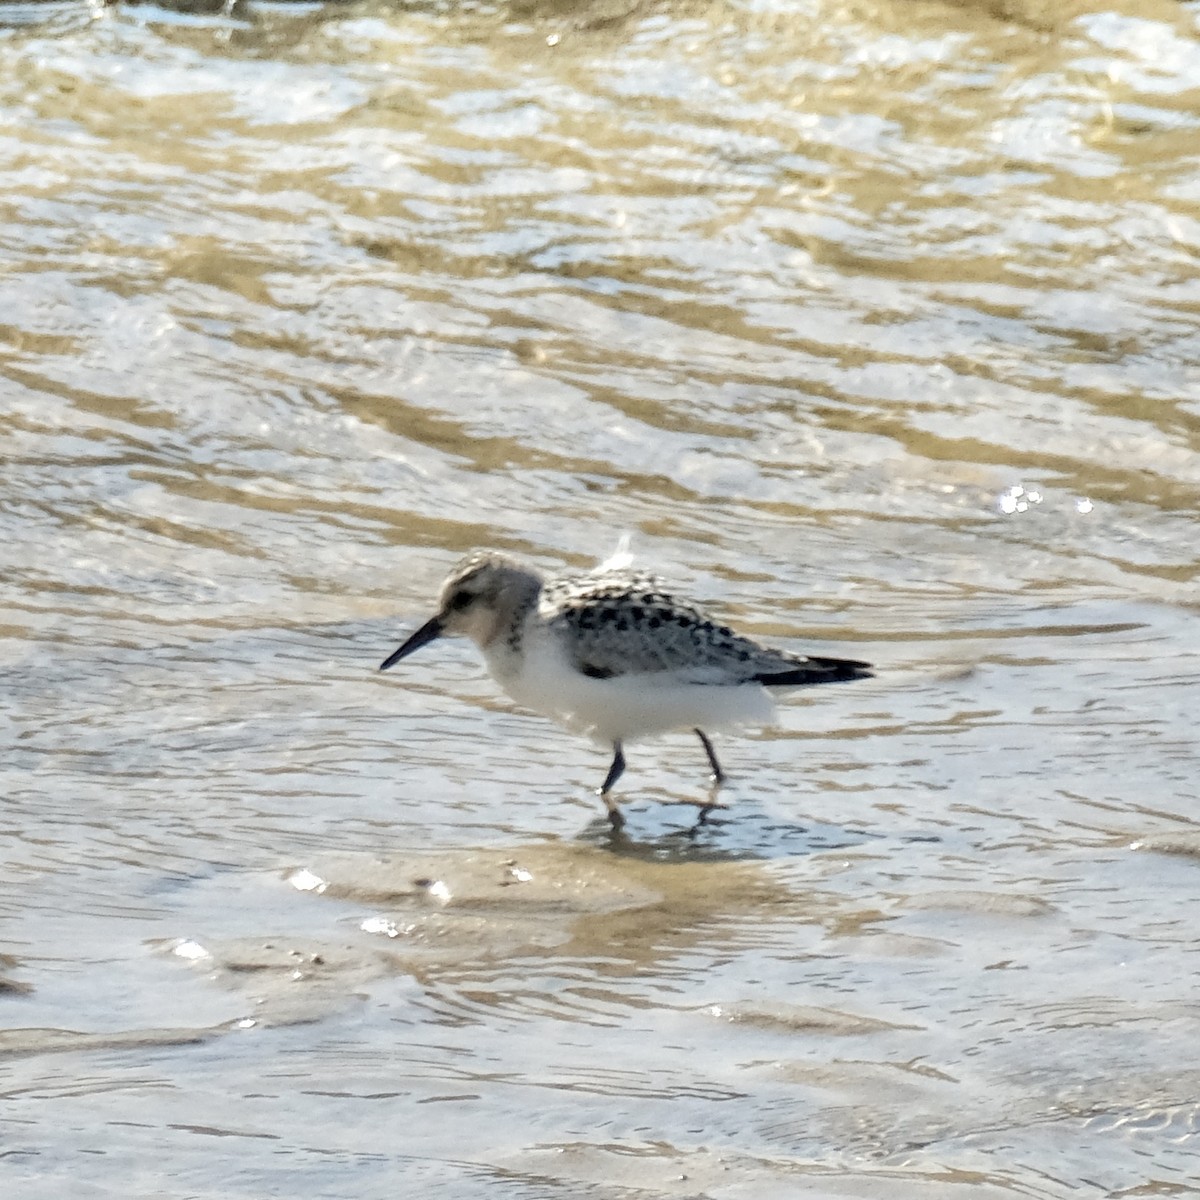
(625, 707)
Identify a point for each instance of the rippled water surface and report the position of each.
(876, 324)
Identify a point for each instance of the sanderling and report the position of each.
(611, 654)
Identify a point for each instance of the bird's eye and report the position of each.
(460, 600)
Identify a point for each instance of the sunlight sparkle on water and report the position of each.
(305, 880)
(190, 950)
(1017, 499)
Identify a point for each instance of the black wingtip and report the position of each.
(818, 670)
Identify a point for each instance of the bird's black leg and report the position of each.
(718, 776)
(615, 771)
(615, 816)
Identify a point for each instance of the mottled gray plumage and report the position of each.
(625, 623)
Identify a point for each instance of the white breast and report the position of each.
(625, 707)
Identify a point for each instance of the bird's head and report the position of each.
(479, 599)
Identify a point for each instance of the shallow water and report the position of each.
(875, 324)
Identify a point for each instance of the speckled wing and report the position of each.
(614, 625)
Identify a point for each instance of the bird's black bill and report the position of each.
(423, 636)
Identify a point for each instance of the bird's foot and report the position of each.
(710, 804)
(706, 820)
(616, 818)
